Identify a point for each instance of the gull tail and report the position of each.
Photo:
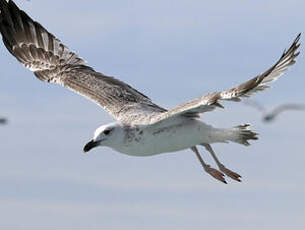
(241, 134)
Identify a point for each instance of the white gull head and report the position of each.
(106, 135)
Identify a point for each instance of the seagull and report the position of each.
(269, 116)
(142, 128)
(3, 121)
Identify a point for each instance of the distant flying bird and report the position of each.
(3, 121)
(143, 128)
(269, 116)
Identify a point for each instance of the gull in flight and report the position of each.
(269, 116)
(142, 128)
(3, 121)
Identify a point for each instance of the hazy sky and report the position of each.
(172, 51)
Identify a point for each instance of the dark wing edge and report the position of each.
(31, 43)
(211, 101)
(52, 61)
(272, 74)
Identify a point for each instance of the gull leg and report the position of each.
(213, 172)
(222, 168)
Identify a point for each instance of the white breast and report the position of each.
(170, 137)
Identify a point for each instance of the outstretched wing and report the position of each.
(211, 101)
(285, 107)
(51, 61)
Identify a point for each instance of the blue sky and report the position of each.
(172, 51)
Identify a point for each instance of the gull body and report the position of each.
(147, 140)
(143, 128)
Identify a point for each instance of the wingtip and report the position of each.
(10, 2)
(4, 2)
(297, 39)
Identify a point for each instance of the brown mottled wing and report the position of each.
(51, 61)
(211, 101)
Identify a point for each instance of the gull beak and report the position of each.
(90, 145)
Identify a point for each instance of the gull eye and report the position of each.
(106, 132)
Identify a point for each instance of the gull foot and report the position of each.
(229, 173)
(215, 173)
